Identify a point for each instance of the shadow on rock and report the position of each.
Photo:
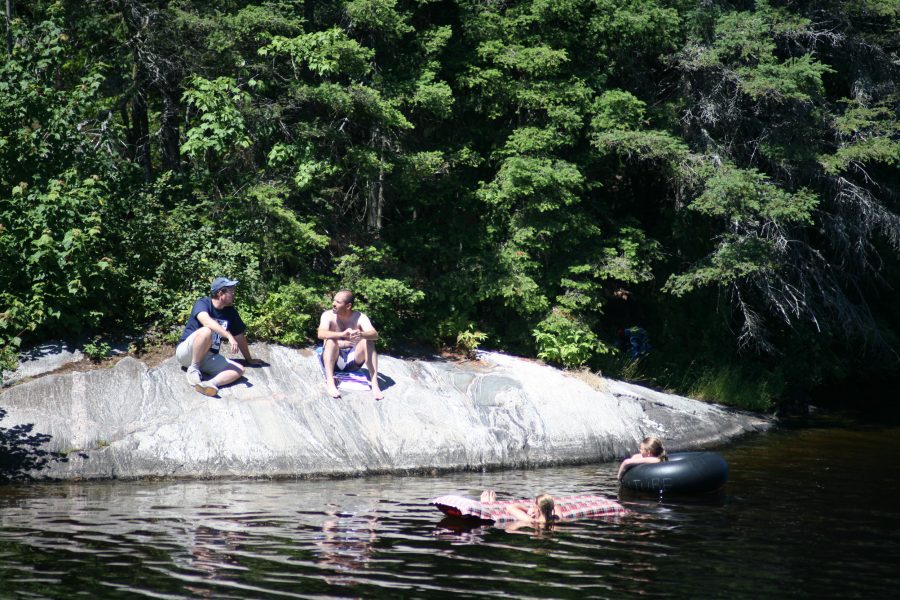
(21, 452)
(384, 382)
(46, 350)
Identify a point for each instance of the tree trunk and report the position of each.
(170, 133)
(376, 191)
(9, 26)
(140, 122)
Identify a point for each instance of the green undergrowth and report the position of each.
(733, 387)
(746, 385)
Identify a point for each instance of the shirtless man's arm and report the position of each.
(328, 330)
(366, 329)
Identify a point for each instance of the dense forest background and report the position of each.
(697, 194)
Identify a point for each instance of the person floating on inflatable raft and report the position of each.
(542, 510)
(651, 451)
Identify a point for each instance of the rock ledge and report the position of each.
(131, 421)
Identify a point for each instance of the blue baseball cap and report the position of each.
(221, 282)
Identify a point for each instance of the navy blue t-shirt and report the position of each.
(227, 317)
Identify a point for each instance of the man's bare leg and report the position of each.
(229, 375)
(330, 353)
(201, 341)
(201, 344)
(365, 350)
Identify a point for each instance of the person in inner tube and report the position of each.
(651, 451)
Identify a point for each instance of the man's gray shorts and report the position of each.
(212, 364)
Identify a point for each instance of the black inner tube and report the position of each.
(683, 473)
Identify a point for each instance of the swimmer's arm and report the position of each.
(520, 512)
(515, 526)
(637, 459)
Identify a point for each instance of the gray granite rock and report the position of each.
(42, 359)
(132, 421)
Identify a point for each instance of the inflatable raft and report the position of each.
(568, 507)
(683, 473)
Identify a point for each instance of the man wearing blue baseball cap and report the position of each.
(213, 319)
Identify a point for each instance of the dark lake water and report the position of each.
(808, 512)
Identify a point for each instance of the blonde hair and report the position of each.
(655, 447)
(546, 504)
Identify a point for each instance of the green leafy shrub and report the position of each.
(566, 341)
(287, 315)
(219, 127)
(9, 360)
(56, 265)
(391, 303)
(617, 109)
(468, 341)
(97, 350)
(17, 318)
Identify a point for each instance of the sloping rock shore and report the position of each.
(131, 421)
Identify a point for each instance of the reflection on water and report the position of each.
(347, 543)
(807, 513)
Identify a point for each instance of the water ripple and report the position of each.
(807, 513)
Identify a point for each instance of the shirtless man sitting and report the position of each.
(348, 340)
